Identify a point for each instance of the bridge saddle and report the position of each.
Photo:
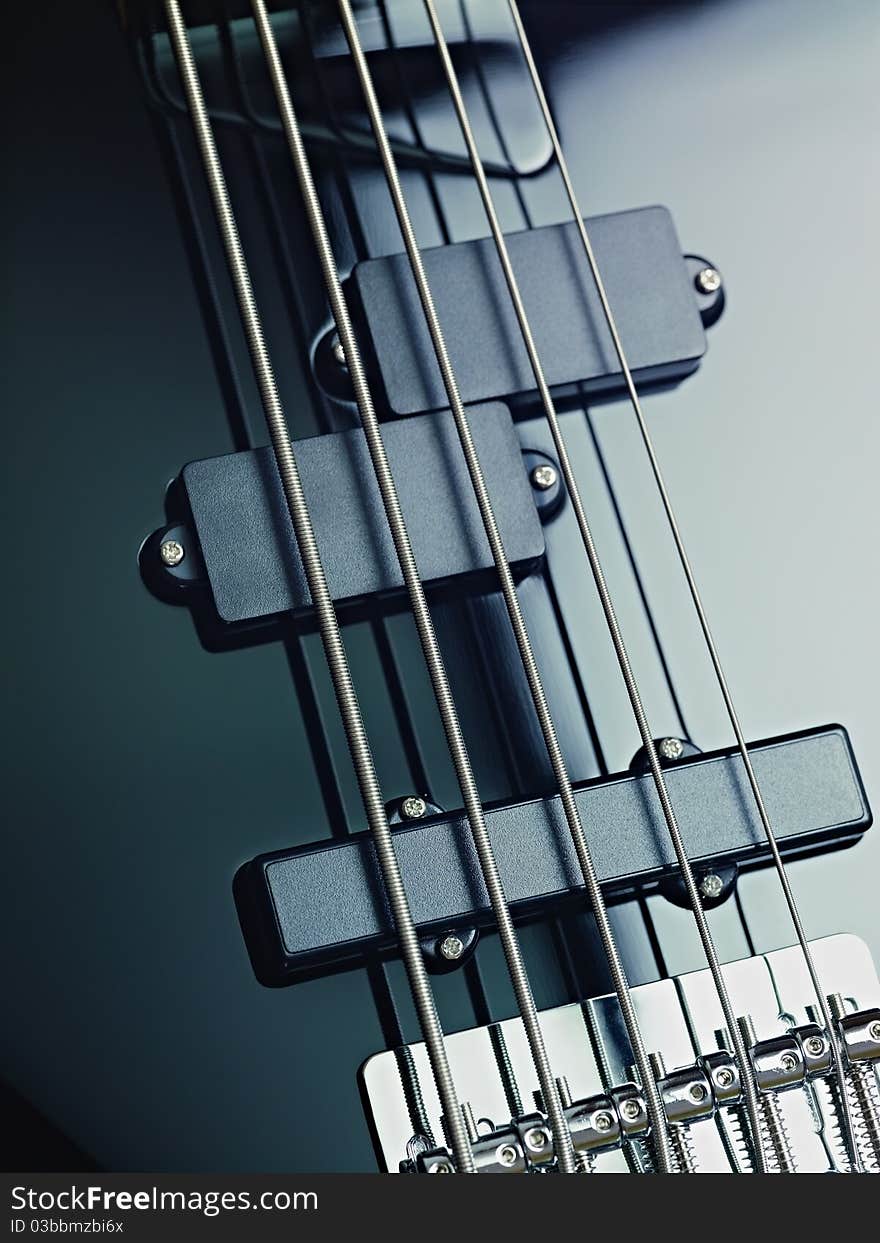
(603, 1103)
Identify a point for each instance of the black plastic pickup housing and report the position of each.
(650, 287)
(323, 906)
(245, 535)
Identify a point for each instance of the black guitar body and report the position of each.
(156, 750)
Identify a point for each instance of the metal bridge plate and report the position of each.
(678, 1017)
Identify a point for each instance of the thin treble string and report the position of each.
(511, 599)
(746, 1071)
(691, 580)
(328, 624)
(424, 624)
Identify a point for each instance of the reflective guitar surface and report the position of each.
(436, 774)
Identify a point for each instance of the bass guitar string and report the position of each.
(424, 625)
(328, 624)
(687, 568)
(490, 524)
(749, 1086)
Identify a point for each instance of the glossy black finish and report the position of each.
(142, 769)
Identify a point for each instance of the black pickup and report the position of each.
(659, 313)
(239, 517)
(323, 905)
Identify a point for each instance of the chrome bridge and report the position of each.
(698, 1077)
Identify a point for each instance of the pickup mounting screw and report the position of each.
(171, 552)
(544, 477)
(338, 351)
(708, 280)
(452, 947)
(711, 885)
(413, 807)
(671, 748)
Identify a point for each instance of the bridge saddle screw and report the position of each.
(603, 1121)
(413, 807)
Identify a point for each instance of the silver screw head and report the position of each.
(788, 1061)
(631, 1109)
(671, 748)
(815, 1045)
(544, 477)
(874, 1032)
(452, 947)
(602, 1121)
(440, 1167)
(507, 1155)
(711, 885)
(698, 1092)
(708, 280)
(413, 807)
(171, 552)
(724, 1076)
(338, 351)
(537, 1139)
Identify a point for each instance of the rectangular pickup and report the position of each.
(321, 905)
(246, 536)
(648, 284)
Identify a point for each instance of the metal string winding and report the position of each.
(508, 588)
(424, 624)
(328, 624)
(687, 568)
(750, 1091)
